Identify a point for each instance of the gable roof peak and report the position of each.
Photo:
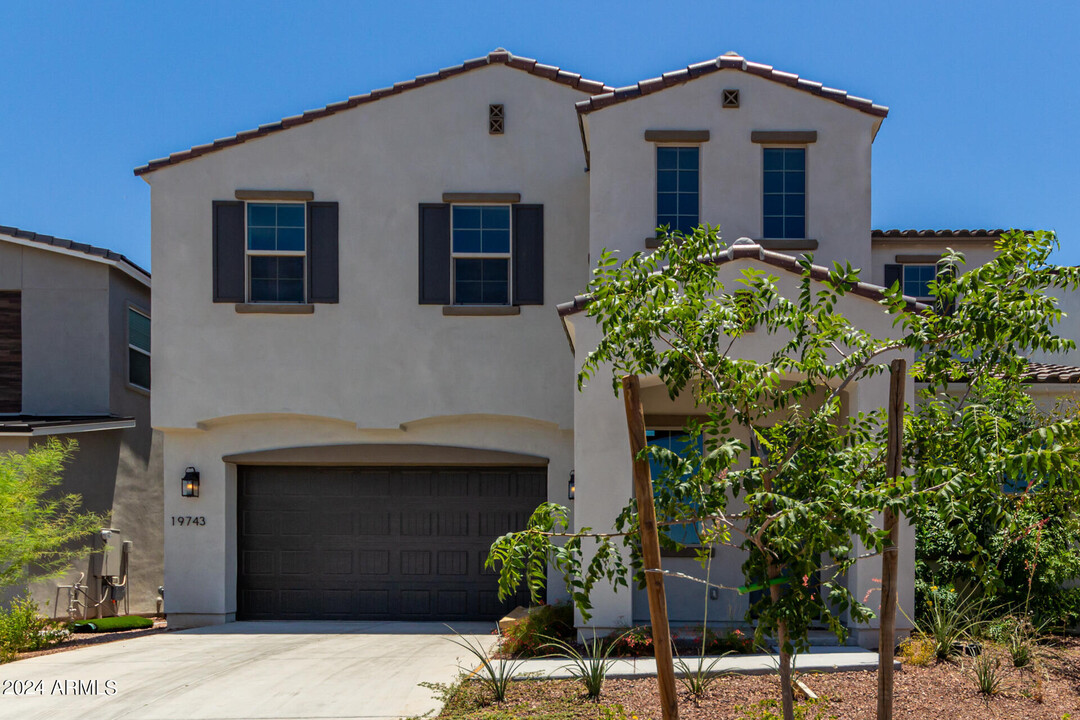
(498, 56)
(728, 61)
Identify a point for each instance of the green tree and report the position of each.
(41, 530)
(810, 478)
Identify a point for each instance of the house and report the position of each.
(362, 316)
(75, 364)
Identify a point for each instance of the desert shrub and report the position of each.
(524, 638)
(770, 710)
(635, 642)
(917, 650)
(494, 676)
(22, 629)
(733, 641)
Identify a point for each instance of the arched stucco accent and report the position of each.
(386, 454)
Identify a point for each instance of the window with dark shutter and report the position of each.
(893, 274)
(435, 254)
(229, 253)
(528, 255)
(322, 252)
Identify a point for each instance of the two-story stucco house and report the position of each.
(362, 317)
(75, 365)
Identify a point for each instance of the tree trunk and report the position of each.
(894, 466)
(650, 550)
(787, 694)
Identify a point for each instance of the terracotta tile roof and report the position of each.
(917, 234)
(730, 61)
(499, 56)
(1038, 372)
(744, 248)
(78, 247)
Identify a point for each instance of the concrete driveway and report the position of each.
(325, 670)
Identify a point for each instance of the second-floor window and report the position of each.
(917, 278)
(276, 252)
(138, 332)
(784, 199)
(480, 254)
(677, 188)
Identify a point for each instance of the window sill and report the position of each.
(480, 310)
(275, 308)
(788, 243)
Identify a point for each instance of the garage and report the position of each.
(376, 543)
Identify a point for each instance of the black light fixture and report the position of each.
(189, 484)
(570, 487)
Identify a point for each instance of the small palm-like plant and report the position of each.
(590, 668)
(494, 676)
(952, 621)
(698, 678)
(987, 674)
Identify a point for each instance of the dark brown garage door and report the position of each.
(376, 543)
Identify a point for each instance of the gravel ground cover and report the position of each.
(1050, 690)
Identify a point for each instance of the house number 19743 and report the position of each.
(188, 520)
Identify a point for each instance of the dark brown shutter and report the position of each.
(322, 252)
(228, 251)
(434, 254)
(10, 351)
(528, 254)
(894, 274)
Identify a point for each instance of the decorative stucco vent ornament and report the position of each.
(496, 119)
(730, 98)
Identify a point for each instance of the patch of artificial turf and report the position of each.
(112, 624)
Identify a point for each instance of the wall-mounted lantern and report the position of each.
(570, 487)
(189, 484)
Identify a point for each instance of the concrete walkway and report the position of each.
(825, 659)
(263, 671)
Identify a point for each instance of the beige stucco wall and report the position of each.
(377, 367)
(378, 358)
(65, 339)
(623, 165)
(200, 561)
(603, 468)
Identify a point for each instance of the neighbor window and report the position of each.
(677, 188)
(678, 442)
(784, 201)
(138, 331)
(277, 252)
(917, 278)
(480, 254)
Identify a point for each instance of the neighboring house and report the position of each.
(75, 364)
(357, 346)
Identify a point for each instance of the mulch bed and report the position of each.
(1050, 691)
(78, 640)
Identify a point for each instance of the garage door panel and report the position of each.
(377, 543)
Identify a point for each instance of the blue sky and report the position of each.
(982, 131)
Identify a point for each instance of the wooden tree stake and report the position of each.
(894, 462)
(650, 549)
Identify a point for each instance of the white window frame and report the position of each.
(508, 256)
(656, 178)
(130, 308)
(249, 253)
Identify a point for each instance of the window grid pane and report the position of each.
(138, 368)
(138, 330)
(478, 231)
(917, 279)
(276, 278)
(784, 190)
(677, 182)
(276, 226)
(677, 441)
